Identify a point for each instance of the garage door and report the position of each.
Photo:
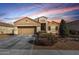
(26, 31)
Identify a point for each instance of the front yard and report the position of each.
(60, 45)
(51, 42)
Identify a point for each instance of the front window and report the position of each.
(49, 28)
(56, 28)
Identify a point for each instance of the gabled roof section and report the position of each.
(27, 18)
(43, 17)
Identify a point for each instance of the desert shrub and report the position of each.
(72, 32)
(78, 32)
(45, 39)
(43, 35)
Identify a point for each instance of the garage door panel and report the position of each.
(26, 31)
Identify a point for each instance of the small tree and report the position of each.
(63, 29)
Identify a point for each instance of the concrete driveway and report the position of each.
(18, 45)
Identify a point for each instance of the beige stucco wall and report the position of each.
(38, 29)
(15, 30)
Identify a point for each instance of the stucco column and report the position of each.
(38, 28)
(46, 26)
(15, 30)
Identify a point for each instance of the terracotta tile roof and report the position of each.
(53, 22)
(6, 24)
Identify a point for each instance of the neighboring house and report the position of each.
(28, 26)
(74, 26)
(6, 28)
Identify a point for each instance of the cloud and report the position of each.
(53, 11)
(2, 14)
(68, 16)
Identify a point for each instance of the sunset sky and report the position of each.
(11, 11)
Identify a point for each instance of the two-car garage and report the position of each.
(26, 30)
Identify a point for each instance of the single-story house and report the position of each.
(28, 26)
(6, 28)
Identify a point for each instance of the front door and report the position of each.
(43, 27)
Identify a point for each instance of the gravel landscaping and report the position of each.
(61, 44)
